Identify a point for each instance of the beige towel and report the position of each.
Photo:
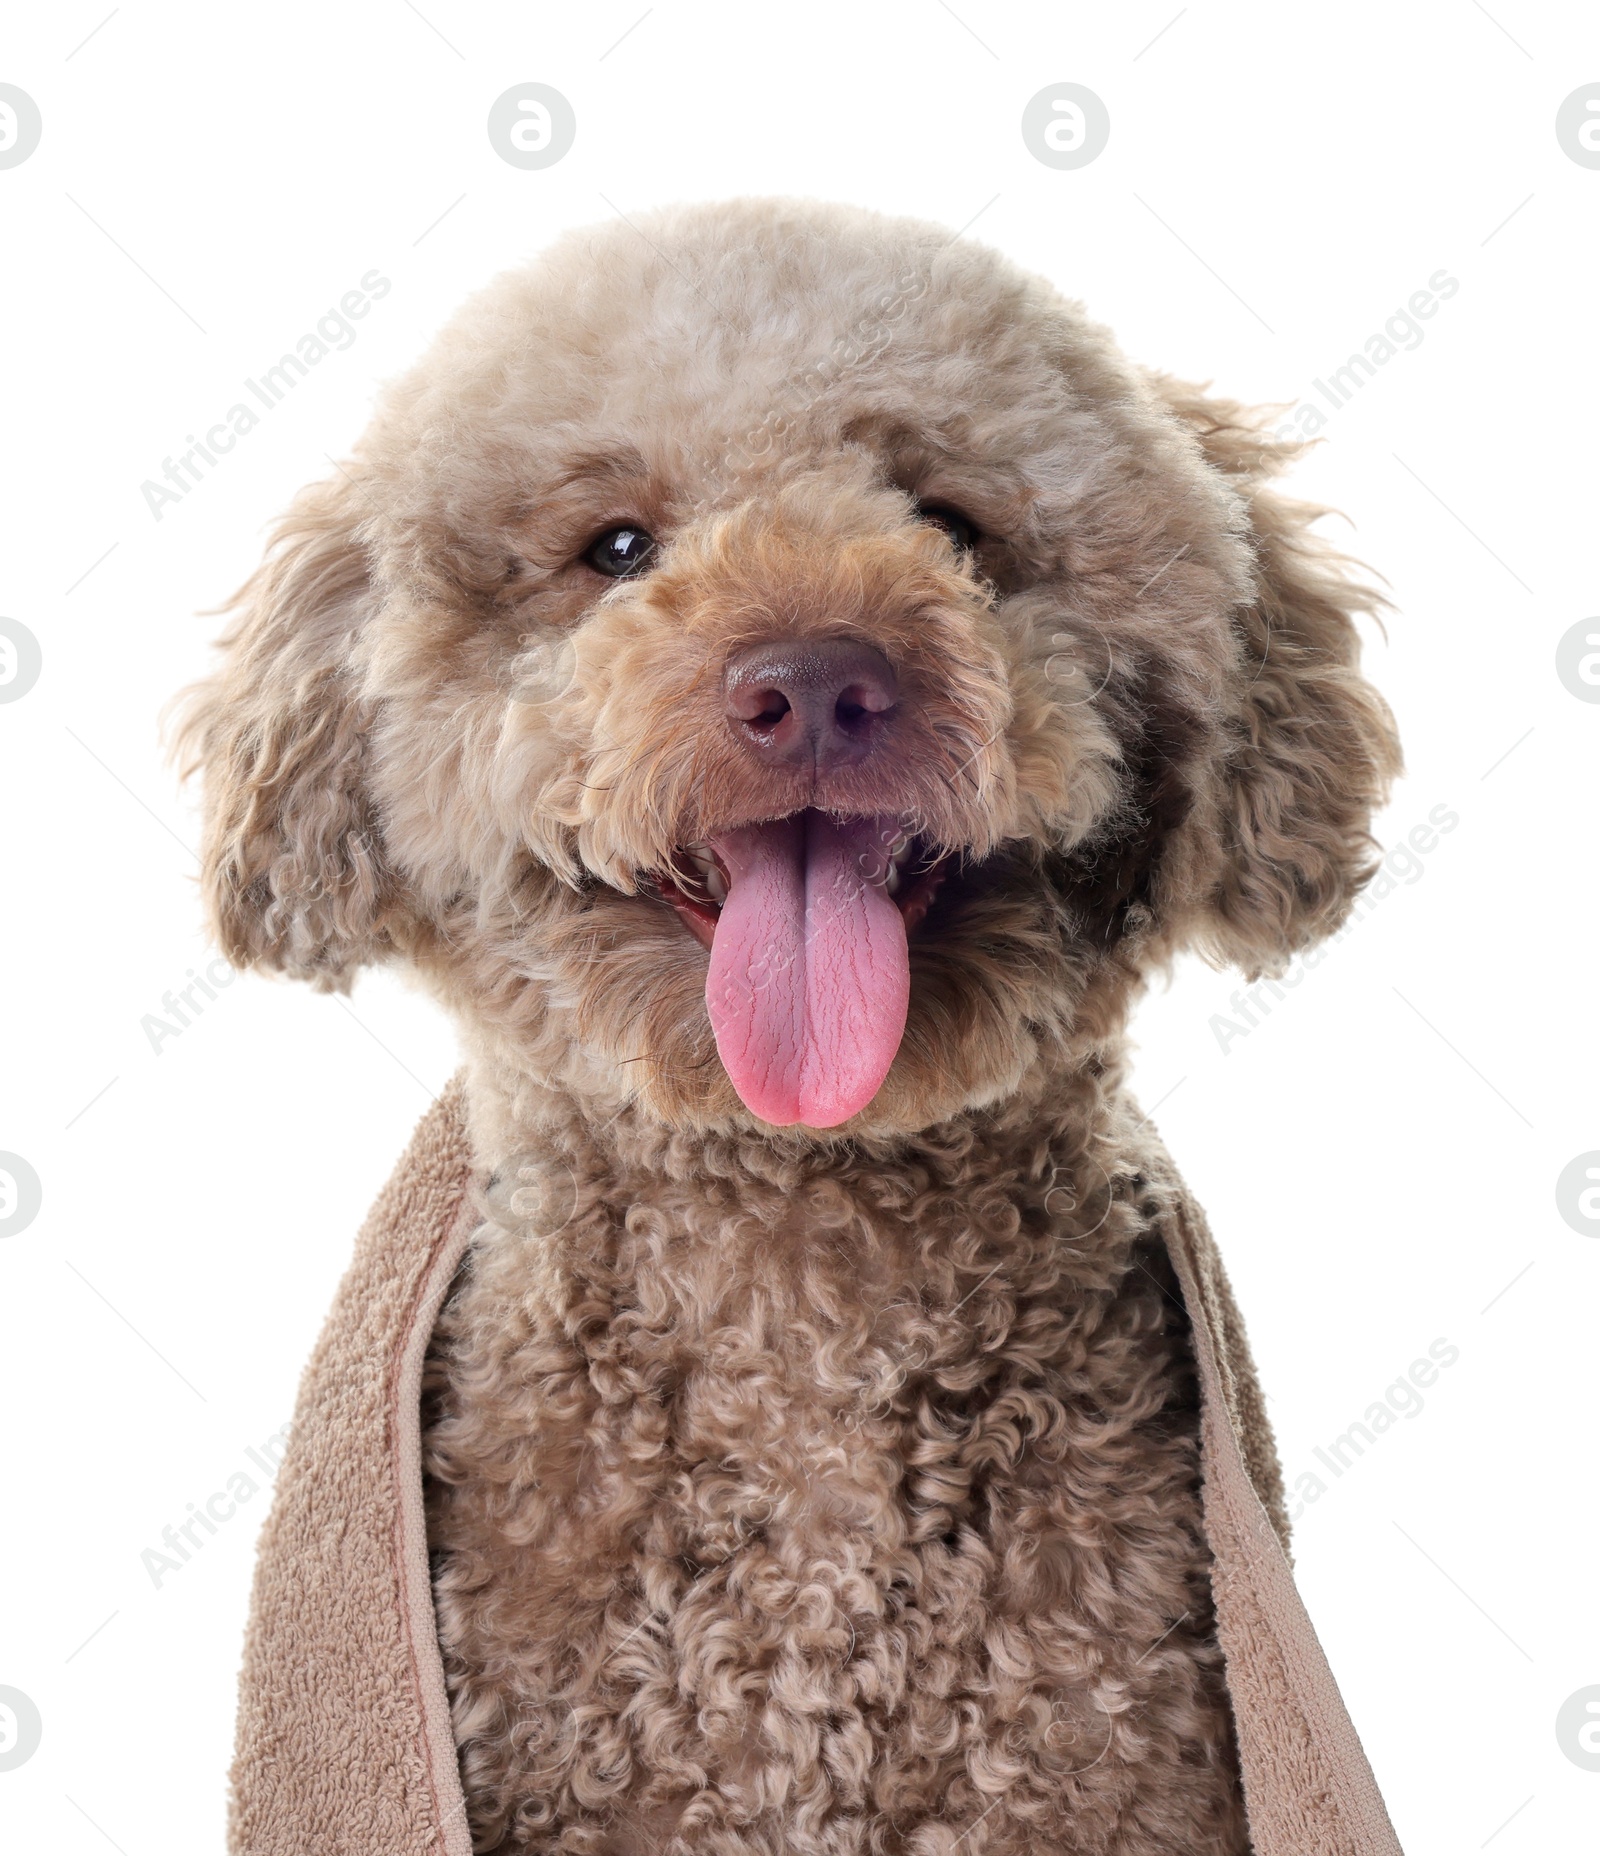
(344, 1742)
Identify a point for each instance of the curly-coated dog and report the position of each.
(784, 681)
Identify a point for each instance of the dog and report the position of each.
(785, 682)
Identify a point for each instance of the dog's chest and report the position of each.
(734, 1515)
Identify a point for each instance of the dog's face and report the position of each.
(782, 665)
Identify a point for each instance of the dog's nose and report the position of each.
(823, 703)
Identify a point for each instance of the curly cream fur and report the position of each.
(813, 1493)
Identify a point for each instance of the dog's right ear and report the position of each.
(292, 864)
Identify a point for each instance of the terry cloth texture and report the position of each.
(344, 1743)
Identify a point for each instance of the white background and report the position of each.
(1379, 1156)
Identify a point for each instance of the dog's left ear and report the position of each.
(1280, 844)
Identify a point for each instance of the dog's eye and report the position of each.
(620, 552)
(963, 533)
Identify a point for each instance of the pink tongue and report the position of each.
(809, 979)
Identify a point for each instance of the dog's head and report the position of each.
(777, 661)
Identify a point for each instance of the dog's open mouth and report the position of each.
(806, 918)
